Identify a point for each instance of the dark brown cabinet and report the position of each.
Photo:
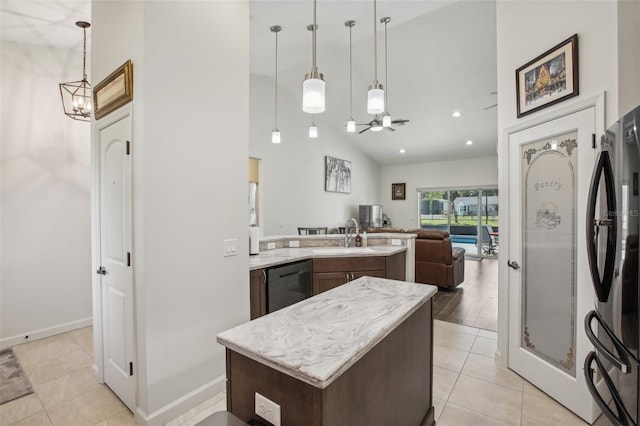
(257, 293)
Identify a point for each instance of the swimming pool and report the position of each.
(464, 239)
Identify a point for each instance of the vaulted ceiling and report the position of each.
(442, 58)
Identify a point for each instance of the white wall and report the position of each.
(292, 173)
(191, 96)
(628, 55)
(477, 173)
(45, 271)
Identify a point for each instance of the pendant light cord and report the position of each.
(314, 67)
(375, 45)
(386, 71)
(84, 56)
(276, 87)
(350, 76)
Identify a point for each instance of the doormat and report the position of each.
(13, 382)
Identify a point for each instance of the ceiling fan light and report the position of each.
(275, 136)
(313, 95)
(313, 131)
(386, 120)
(351, 125)
(375, 100)
(376, 127)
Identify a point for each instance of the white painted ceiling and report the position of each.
(442, 58)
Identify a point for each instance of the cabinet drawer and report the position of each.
(347, 264)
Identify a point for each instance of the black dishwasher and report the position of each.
(288, 284)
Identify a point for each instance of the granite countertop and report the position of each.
(267, 258)
(319, 338)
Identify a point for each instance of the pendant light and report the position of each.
(351, 123)
(313, 98)
(375, 95)
(313, 130)
(76, 95)
(275, 134)
(386, 118)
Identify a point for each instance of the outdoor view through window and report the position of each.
(469, 215)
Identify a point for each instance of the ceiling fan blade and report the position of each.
(489, 107)
(399, 121)
(364, 130)
(391, 129)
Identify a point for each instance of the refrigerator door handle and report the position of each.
(623, 417)
(621, 361)
(602, 285)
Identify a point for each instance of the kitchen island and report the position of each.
(359, 354)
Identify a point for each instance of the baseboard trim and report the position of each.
(30, 336)
(181, 405)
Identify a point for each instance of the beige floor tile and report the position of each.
(65, 388)
(454, 415)
(484, 368)
(449, 358)
(543, 410)
(212, 405)
(454, 339)
(40, 419)
(88, 409)
(50, 369)
(443, 381)
(45, 349)
(488, 334)
(438, 405)
(83, 337)
(485, 347)
(443, 325)
(19, 409)
(499, 402)
(123, 418)
(532, 390)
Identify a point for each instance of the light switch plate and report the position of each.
(271, 246)
(230, 247)
(294, 243)
(396, 242)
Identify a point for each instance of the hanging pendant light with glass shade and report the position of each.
(313, 99)
(386, 117)
(351, 123)
(313, 130)
(76, 95)
(275, 134)
(375, 95)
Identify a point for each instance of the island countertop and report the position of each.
(279, 256)
(319, 338)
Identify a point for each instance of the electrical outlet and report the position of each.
(267, 409)
(294, 244)
(396, 242)
(271, 246)
(230, 247)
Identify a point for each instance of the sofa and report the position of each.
(436, 261)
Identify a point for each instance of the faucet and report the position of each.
(348, 237)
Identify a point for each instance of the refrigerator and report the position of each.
(613, 224)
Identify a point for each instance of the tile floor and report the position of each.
(469, 388)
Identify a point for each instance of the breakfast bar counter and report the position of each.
(358, 354)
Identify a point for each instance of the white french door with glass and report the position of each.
(550, 290)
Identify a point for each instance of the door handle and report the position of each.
(513, 264)
(101, 271)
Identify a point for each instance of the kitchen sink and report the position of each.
(343, 250)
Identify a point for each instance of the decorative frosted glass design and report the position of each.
(549, 250)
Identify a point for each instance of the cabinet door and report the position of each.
(323, 281)
(257, 293)
(379, 274)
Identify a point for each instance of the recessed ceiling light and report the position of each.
(402, 151)
(456, 114)
(469, 142)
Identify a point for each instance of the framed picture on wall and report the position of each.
(114, 91)
(398, 191)
(337, 175)
(548, 79)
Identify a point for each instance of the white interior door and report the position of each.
(115, 256)
(550, 291)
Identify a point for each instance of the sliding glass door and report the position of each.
(470, 215)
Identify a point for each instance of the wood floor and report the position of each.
(475, 301)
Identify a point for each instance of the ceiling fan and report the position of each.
(376, 124)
